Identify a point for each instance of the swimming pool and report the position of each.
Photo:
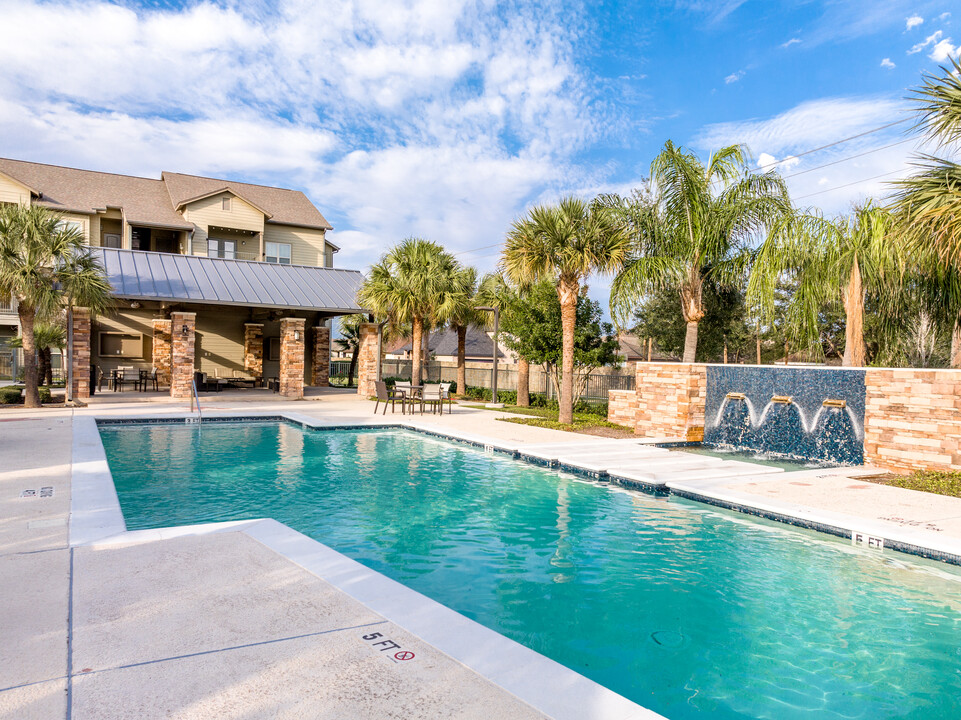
(686, 609)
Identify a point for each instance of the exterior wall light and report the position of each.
(184, 330)
(296, 335)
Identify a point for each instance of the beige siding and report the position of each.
(307, 246)
(209, 211)
(84, 221)
(220, 341)
(13, 192)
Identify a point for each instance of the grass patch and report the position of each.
(584, 422)
(932, 481)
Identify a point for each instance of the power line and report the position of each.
(836, 142)
(856, 182)
(472, 250)
(849, 157)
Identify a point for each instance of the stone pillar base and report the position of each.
(80, 360)
(320, 370)
(292, 357)
(182, 344)
(367, 360)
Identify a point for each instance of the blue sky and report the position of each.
(446, 119)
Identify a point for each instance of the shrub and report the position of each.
(10, 396)
(45, 395)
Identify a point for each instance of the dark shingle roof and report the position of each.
(288, 207)
(477, 344)
(139, 275)
(85, 191)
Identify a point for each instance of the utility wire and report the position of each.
(836, 142)
(849, 157)
(856, 182)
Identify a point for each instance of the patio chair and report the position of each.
(384, 395)
(445, 394)
(432, 395)
(148, 378)
(200, 380)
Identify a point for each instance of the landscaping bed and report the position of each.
(932, 481)
(586, 423)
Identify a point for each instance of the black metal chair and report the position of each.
(385, 395)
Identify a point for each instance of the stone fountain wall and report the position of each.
(783, 410)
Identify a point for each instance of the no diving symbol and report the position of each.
(404, 655)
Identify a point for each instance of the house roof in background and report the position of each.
(144, 201)
(140, 275)
(477, 344)
(287, 207)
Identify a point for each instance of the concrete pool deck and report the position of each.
(246, 621)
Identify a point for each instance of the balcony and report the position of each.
(8, 307)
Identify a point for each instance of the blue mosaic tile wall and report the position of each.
(803, 428)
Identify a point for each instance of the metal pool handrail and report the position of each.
(195, 397)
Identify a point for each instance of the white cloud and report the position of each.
(789, 43)
(931, 39)
(913, 22)
(837, 176)
(886, 63)
(434, 117)
(944, 50)
(734, 77)
(944, 16)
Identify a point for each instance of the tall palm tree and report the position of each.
(567, 243)
(697, 226)
(495, 291)
(464, 315)
(43, 265)
(830, 260)
(411, 284)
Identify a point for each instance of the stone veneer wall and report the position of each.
(292, 357)
(254, 349)
(182, 348)
(320, 367)
(670, 400)
(80, 361)
(161, 350)
(913, 419)
(367, 360)
(622, 407)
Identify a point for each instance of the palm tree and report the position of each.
(697, 227)
(43, 266)
(830, 260)
(411, 284)
(496, 291)
(46, 335)
(567, 243)
(349, 341)
(464, 315)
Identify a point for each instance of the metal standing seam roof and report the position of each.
(141, 275)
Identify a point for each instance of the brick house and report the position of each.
(230, 279)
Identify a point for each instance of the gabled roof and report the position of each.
(140, 275)
(286, 207)
(477, 344)
(225, 188)
(144, 201)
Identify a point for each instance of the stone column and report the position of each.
(80, 360)
(320, 372)
(367, 360)
(292, 357)
(254, 349)
(161, 350)
(182, 354)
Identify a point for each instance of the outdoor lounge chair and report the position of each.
(446, 395)
(384, 395)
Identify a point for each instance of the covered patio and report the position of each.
(224, 324)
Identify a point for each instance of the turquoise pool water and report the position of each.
(689, 610)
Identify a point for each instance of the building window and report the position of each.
(73, 225)
(277, 253)
(115, 344)
(226, 203)
(220, 248)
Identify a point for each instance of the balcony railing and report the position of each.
(8, 307)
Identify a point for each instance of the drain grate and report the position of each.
(44, 492)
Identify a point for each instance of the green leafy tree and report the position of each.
(496, 291)
(565, 244)
(842, 259)
(44, 266)
(412, 283)
(533, 330)
(463, 314)
(696, 228)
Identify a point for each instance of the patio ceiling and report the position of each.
(141, 275)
